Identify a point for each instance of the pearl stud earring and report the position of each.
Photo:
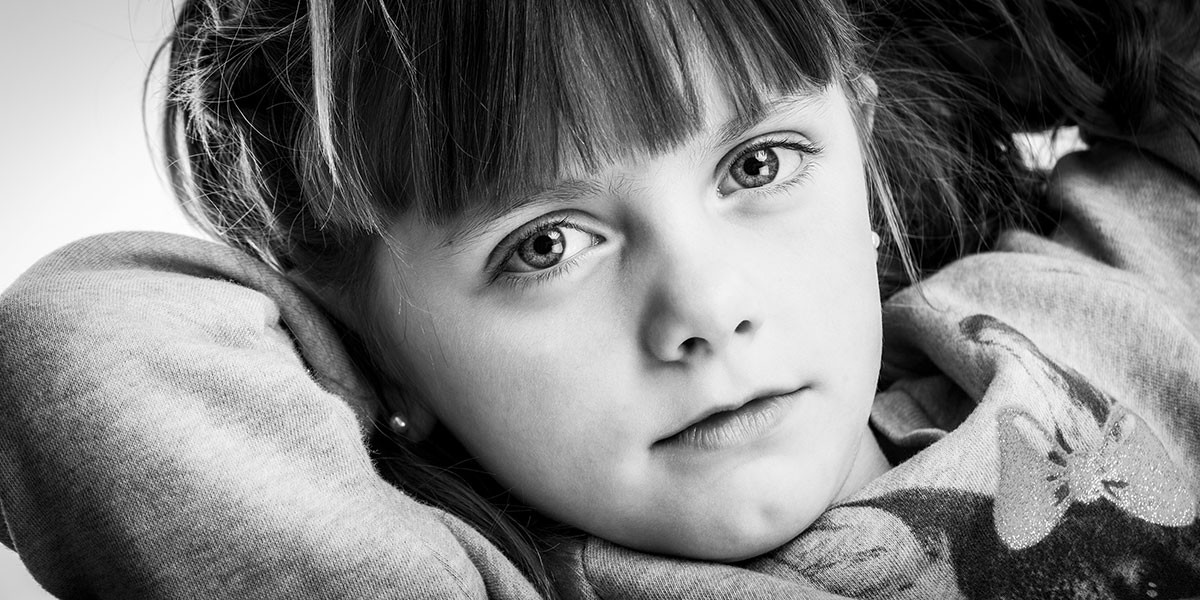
(397, 423)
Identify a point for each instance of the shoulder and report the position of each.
(108, 302)
(190, 403)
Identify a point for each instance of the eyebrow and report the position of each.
(732, 130)
(487, 220)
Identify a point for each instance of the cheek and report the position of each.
(485, 373)
(830, 304)
(536, 401)
(850, 322)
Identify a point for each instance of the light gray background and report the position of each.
(73, 148)
(73, 154)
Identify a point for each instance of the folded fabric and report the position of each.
(1050, 391)
(180, 421)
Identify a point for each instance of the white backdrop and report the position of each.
(73, 148)
(73, 154)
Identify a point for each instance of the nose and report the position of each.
(699, 304)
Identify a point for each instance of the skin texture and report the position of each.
(683, 294)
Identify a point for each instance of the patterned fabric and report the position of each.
(1050, 391)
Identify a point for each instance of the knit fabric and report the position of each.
(181, 422)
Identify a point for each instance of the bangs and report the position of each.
(479, 102)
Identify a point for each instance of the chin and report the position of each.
(745, 525)
(735, 538)
(732, 550)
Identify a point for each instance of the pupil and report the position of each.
(543, 250)
(754, 165)
(756, 169)
(543, 244)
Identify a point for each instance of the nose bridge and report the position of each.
(701, 295)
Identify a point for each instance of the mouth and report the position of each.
(733, 427)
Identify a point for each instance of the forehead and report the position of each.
(588, 82)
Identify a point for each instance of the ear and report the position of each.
(866, 97)
(395, 400)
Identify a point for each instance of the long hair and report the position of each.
(957, 79)
(298, 131)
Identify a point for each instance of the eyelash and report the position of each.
(807, 148)
(525, 280)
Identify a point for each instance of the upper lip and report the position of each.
(782, 391)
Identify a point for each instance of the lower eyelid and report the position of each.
(534, 278)
(529, 278)
(802, 175)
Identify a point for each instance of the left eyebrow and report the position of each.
(487, 220)
(736, 127)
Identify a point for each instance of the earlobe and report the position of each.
(404, 417)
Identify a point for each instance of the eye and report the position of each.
(764, 162)
(547, 245)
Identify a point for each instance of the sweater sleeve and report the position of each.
(179, 421)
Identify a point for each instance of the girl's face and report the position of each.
(678, 352)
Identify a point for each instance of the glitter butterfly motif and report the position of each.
(1042, 474)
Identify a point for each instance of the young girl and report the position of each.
(615, 270)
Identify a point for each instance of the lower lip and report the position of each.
(730, 429)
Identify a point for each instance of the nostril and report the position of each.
(690, 345)
(743, 327)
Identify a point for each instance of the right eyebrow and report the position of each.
(486, 220)
(731, 131)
